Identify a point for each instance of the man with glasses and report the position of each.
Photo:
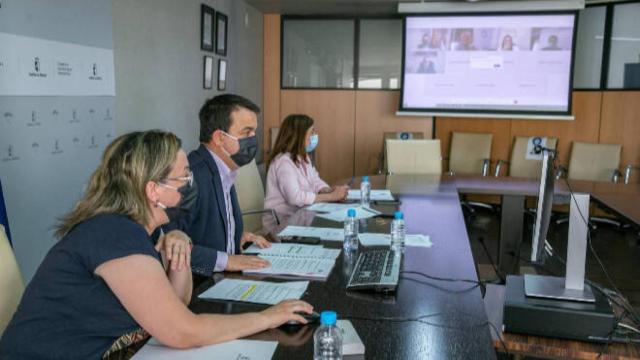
(228, 141)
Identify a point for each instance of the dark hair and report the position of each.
(215, 114)
(291, 138)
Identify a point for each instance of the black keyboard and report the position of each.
(376, 269)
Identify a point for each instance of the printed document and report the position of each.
(375, 195)
(295, 250)
(334, 234)
(308, 267)
(329, 207)
(341, 215)
(371, 239)
(259, 292)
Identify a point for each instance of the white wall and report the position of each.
(47, 154)
(159, 63)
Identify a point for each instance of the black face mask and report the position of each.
(189, 195)
(248, 150)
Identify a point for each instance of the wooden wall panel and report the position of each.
(375, 115)
(500, 128)
(620, 124)
(271, 77)
(585, 127)
(334, 115)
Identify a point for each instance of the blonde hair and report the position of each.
(118, 184)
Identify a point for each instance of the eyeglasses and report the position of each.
(188, 178)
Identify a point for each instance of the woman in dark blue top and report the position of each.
(103, 286)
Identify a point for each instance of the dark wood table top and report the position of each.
(623, 199)
(453, 323)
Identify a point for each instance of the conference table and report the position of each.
(424, 318)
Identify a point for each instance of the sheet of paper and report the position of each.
(259, 292)
(237, 349)
(351, 342)
(371, 239)
(317, 268)
(297, 250)
(341, 216)
(329, 207)
(334, 234)
(376, 195)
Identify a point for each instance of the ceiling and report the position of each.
(340, 7)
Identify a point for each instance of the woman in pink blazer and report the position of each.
(292, 180)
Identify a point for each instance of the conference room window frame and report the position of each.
(606, 48)
(356, 49)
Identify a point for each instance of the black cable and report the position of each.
(476, 282)
(421, 319)
(439, 287)
(493, 264)
(595, 254)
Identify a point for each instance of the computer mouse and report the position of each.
(311, 318)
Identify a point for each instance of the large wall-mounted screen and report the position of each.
(505, 63)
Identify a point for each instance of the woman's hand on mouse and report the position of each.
(286, 311)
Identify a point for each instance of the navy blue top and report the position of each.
(67, 311)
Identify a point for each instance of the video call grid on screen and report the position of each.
(488, 63)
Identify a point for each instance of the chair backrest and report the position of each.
(413, 156)
(250, 191)
(394, 135)
(273, 135)
(468, 152)
(11, 284)
(595, 162)
(521, 163)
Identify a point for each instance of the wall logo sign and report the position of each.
(7, 116)
(74, 117)
(95, 75)
(9, 154)
(93, 144)
(37, 69)
(56, 148)
(34, 119)
(108, 116)
(54, 68)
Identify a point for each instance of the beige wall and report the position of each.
(351, 123)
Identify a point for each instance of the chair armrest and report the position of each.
(271, 211)
(561, 172)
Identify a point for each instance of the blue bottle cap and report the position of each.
(398, 215)
(365, 179)
(328, 318)
(351, 213)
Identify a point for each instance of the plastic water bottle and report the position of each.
(365, 191)
(397, 232)
(327, 340)
(350, 231)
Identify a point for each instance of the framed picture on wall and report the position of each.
(221, 34)
(206, 27)
(207, 81)
(222, 74)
